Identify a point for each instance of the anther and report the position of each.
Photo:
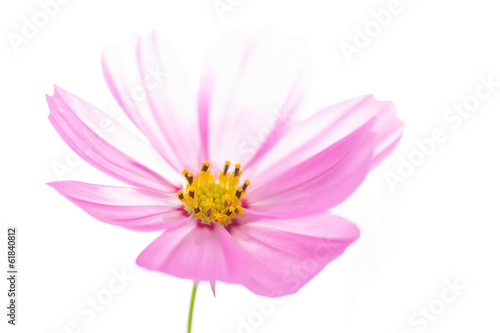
(205, 166)
(191, 192)
(181, 195)
(226, 167)
(247, 182)
(190, 178)
(238, 192)
(237, 170)
(185, 173)
(208, 212)
(226, 199)
(196, 209)
(229, 211)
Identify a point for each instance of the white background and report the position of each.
(440, 224)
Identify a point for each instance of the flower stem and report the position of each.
(191, 306)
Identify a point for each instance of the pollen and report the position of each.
(213, 196)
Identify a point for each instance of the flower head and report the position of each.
(239, 186)
(212, 198)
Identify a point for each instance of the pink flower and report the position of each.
(272, 233)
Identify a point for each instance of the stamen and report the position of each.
(238, 192)
(226, 199)
(208, 211)
(191, 192)
(237, 169)
(247, 183)
(180, 194)
(190, 178)
(205, 166)
(226, 167)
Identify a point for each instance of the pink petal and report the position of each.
(97, 151)
(115, 134)
(320, 131)
(196, 251)
(283, 255)
(270, 257)
(149, 83)
(131, 208)
(318, 183)
(251, 88)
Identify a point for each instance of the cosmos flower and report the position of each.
(237, 182)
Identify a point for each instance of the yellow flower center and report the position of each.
(213, 198)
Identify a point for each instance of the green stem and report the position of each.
(191, 306)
